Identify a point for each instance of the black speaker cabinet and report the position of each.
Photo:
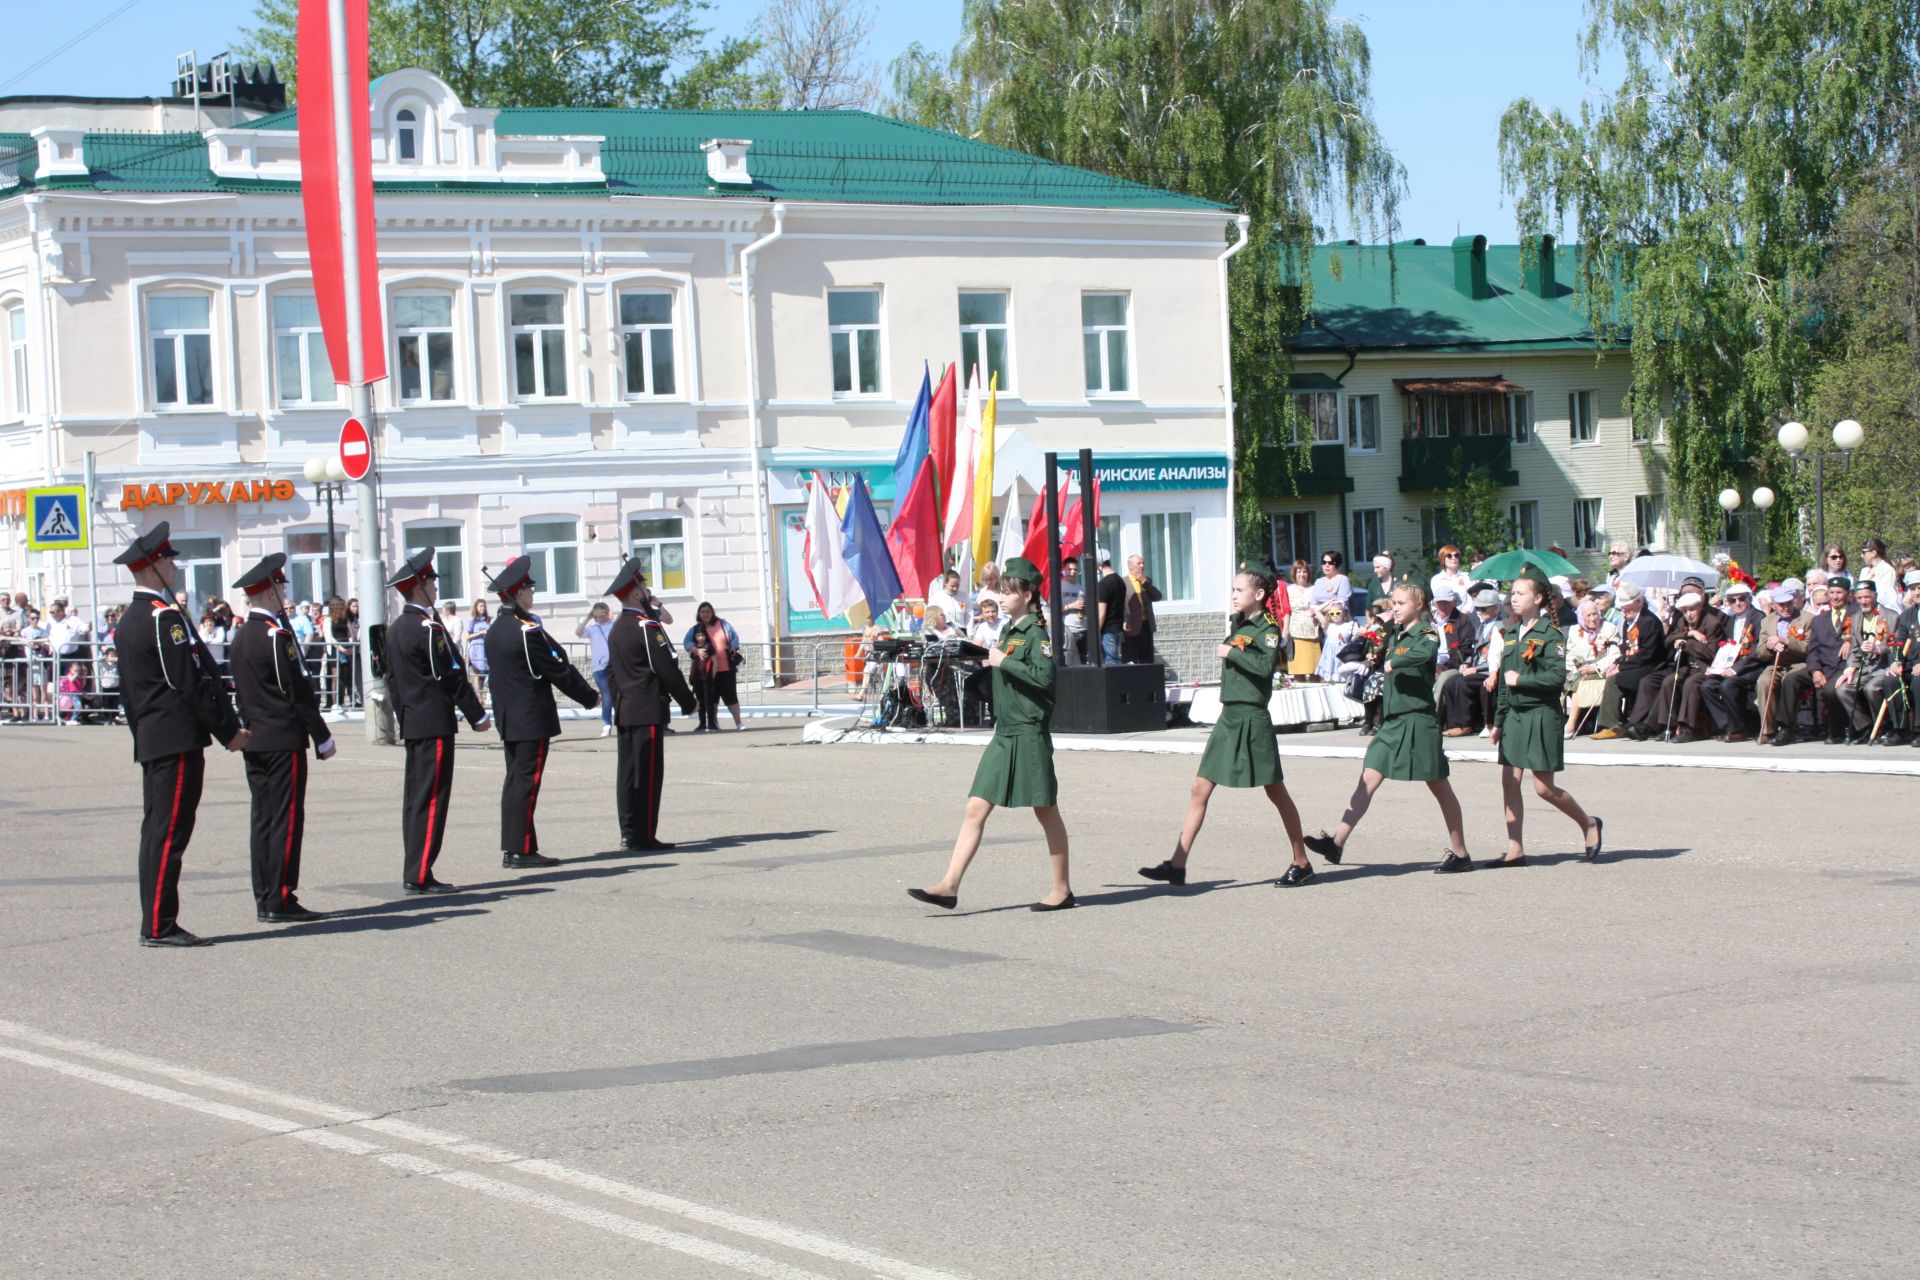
(1124, 699)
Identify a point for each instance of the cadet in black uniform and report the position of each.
(526, 665)
(429, 687)
(282, 714)
(174, 700)
(643, 674)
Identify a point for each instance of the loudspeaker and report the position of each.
(1119, 699)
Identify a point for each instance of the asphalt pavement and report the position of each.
(755, 1055)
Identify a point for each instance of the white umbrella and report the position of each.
(1667, 572)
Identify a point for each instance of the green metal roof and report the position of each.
(1364, 301)
(851, 156)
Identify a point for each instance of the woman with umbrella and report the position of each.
(1528, 722)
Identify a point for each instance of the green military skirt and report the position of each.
(1240, 750)
(1016, 771)
(1407, 748)
(1534, 739)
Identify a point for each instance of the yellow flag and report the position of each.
(983, 480)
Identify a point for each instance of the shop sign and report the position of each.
(204, 493)
(840, 479)
(1120, 473)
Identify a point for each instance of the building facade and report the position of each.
(608, 332)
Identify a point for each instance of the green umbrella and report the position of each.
(1508, 565)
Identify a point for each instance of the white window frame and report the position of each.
(1522, 515)
(655, 549)
(422, 336)
(1353, 406)
(185, 569)
(1311, 426)
(541, 335)
(1364, 549)
(1519, 411)
(309, 337)
(179, 340)
(852, 334)
(1596, 531)
(1309, 542)
(453, 586)
(13, 332)
(318, 559)
(541, 554)
(1435, 530)
(408, 127)
(649, 334)
(1106, 390)
(979, 331)
(1583, 413)
(1164, 554)
(1650, 521)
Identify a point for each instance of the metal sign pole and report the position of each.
(93, 569)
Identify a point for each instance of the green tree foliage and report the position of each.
(542, 53)
(1259, 104)
(1475, 516)
(1710, 182)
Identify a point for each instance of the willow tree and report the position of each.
(1708, 184)
(1259, 104)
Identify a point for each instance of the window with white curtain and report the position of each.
(301, 372)
(180, 331)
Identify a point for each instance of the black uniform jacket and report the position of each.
(426, 679)
(171, 688)
(1642, 645)
(641, 667)
(276, 698)
(525, 666)
(1824, 639)
(1699, 653)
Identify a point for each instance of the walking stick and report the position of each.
(1673, 697)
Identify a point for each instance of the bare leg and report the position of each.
(1516, 809)
(735, 708)
(1450, 811)
(1056, 831)
(1196, 815)
(1290, 819)
(1562, 799)
(967, 843)
(1370, 780)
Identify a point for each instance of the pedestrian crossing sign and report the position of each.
(57, 519)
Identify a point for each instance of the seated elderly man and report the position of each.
(1642, 652)
(1728, 692)
(1829, 638)
(1783, 641)
(1459, 632)
(1862, 685)
(1906, 649)
(1465, 701)
(1669, 699)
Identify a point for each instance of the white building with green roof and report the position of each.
(609, 331)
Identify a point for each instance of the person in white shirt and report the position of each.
(987, 624)
(1451, 582)
(945, 594)
(1874, 564)
(594, 628)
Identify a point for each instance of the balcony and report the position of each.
(1430, 465)
(1319, 471)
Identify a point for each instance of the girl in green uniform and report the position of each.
(1528, 723)
(1016, 770)
(1407, 746)
(1240, 750)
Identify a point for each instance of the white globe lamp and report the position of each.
(1847, 435)
(1729, 500)
(315, 470)
(1793, 437)
(1763, 498)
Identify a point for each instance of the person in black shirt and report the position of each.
(430, 691)
(282, 714)
(643, 674)
(526, 667)
(1110, 601)
(175, 704)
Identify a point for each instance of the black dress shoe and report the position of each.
(1295, 874)
(1520, 861)
(1781, 739)
(1593, 850)
(288, 913)
(946, 902)
(647, 846)
(430, 885)
(1067, 903)
(519, 861)
(1453, 862)
(177, 938)
(1323, 845)
(1639, 732)
(1166, 871)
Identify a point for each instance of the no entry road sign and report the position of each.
(356, 449)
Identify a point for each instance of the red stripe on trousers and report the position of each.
(166, 847)
(293, 818)
(433, 810)
(533, 797)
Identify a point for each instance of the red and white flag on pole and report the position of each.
(320, 182)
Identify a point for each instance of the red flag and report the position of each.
(320, 184)
(914, 538)
(1036, 547)
(942, 426)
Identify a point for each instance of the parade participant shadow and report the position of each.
(381, 921)
(712, 843)
(1119, 895)
(585, 868)
(1364, 870)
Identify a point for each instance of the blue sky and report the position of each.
(1442, 74)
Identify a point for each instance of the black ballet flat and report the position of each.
(1166, 871)
(1323, 845)
(1599, 840)
(1065, 904)
(1520, 861)
(941, 900)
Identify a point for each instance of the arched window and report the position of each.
(406, 136)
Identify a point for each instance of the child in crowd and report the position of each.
(700, 660)
(72, 685)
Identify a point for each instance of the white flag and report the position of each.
(1013, 531)
(835, 589)
(966, 448)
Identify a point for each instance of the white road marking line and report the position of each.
(762, 1229)
(693, 1246)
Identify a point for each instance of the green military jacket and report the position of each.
(1410, 684)
(1023, 683)
(1539, 654)
(1253, 647)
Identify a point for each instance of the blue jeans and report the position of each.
(605, 682)
(1110, 646)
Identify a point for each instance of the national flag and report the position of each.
(983, 476)
(864, 549)
(913, 445)
(914, 538)
(1036, 544)
(957, 528)
(941, 430)
(835, 588)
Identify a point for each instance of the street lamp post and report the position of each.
(1847, 436)
(1763, 499)
(329, 481)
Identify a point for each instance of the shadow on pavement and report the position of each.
(374, 919)
(1119, 894)
(1364, 870)
(749, 838)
